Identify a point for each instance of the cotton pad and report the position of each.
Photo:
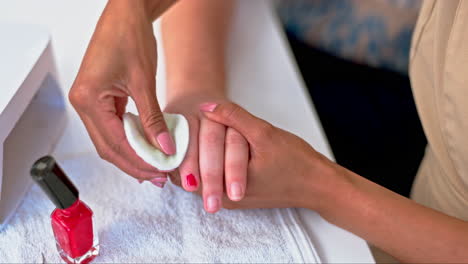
(178, 128)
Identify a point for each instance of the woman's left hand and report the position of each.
(216, 155)
(283, 170)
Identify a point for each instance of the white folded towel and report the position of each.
(142, 223)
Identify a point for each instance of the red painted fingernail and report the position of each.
(208, 107)
(191, 181)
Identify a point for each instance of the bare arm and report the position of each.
(155, 8)
(285, 171)
(401, 227)
(410, 232)
(194, 37)
(120, 63)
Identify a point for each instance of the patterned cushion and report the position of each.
(372, 32)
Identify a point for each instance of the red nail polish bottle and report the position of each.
(72, 221)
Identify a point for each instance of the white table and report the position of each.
(260, 66)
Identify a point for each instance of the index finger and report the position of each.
(106, 131)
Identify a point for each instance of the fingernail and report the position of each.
(191, 181)
(158, 184)
(212, 203)
(159, 179)
(208, 107)
(236, 191)
(167, 143)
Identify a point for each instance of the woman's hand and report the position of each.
(217, 155)
(283, 170)
(120, 62)
(195, 37)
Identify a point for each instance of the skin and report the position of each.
(114, 69)
(290, 173)
(120, 62)
(191, 80)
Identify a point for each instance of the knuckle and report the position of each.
(235, 138)
(107, 152)
(80, 96)
(152, 119)
(211, 187)
(264, 131)
(235, 167)
(104, 154)
(231, 111)
(209, 178)
(212, 138)
(267, 128)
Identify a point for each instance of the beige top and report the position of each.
(439, 76)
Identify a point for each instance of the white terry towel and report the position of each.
(142, 223)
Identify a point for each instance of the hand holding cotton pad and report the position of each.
(178, 128)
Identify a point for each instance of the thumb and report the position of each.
(152, 118)
(232, 115)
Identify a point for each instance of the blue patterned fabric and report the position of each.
(372, 32)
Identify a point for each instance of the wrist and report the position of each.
(198, 90)
(150, 10)
(328, 183)
(126, 11)
(155, 8)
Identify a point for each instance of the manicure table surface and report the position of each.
(262, 77)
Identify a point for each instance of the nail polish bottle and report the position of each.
(72, 220)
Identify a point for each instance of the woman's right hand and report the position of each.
(120, 62)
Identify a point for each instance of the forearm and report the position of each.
(401, 227)
(194, 37)
(150, 9)
(156, 8)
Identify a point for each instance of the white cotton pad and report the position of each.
(178, 128)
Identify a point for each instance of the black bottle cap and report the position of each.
(53, 181)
